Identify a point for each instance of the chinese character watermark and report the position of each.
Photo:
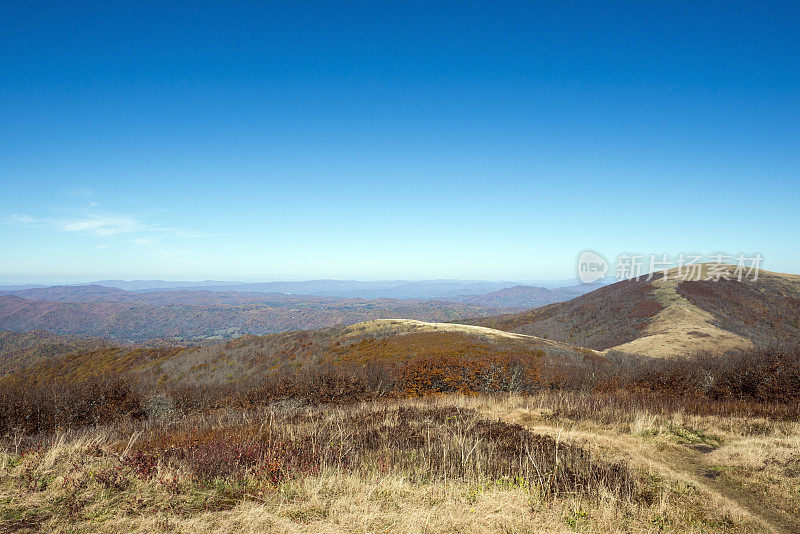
(684, 267)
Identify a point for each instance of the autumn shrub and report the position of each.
(34, 407)
(426, 444)
(469, 375)
(347, 382)
(761, 381)
(756, 381)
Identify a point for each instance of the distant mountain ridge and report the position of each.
(526, 296)
(202, 315)
(513, 297)
(400, 289)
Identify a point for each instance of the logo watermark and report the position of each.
(592, 266)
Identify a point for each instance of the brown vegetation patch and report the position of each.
(605, 318)
(428, 445)
(757, 311)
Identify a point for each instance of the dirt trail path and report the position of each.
(689, 463)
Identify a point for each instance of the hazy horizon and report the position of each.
(67, 281)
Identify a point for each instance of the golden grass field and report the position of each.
(680, 327)
(700, 473)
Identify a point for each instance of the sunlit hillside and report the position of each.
(667, 316)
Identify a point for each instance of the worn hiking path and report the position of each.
(686, 462)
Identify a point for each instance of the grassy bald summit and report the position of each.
(667, 316)
(373, 347)
(367, 344)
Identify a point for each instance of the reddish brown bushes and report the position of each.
(32, 407)
(606, 317)
(450, 374)
(762, 381)
(346, 382)
(427, 444)
(767, 375)
(762, 311)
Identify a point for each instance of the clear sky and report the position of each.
(292, 140)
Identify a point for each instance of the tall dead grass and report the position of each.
(433, 464)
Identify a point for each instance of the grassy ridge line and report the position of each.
(667, 316)
(379, 342)
(375, 343)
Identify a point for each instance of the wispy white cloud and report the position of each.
(106, 226)
(103, 226)
(79, 192)
(22, 220)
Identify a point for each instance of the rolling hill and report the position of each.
(368, 345)
(526, 296)
(661, 317)
(202, 315)
(385, 341)
(199, 314)
(19, 350)
(667, 316)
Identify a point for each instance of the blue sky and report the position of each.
(377, 140)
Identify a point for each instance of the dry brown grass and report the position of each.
(75, 483)
(389, 327)
(746, 468)
(665, 316)
(680, 328)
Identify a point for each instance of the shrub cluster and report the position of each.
(763, 375)
(31, 408)
(427, 444)
(758, 381)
